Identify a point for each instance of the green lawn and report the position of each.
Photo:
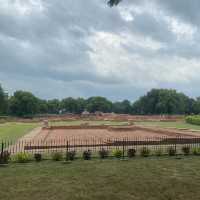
(79, 122)
(180, 125)
(139, 179)
(13, 131)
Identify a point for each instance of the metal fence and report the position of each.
(95, 144)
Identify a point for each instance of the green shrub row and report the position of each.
(195, 119)
(103, 153)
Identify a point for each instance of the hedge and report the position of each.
(193, 119)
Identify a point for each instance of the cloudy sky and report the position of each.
(60, 48)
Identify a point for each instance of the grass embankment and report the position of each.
(92, 123)
(13, 131)
(138, 179)
(179, 125)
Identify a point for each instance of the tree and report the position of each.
(53, 106)
(99, 104)
(163, 101)
(196, 106)
(123, 107)
(42, 106)
(3, 101)
(23, 104)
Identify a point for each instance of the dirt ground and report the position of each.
(131, 133)
(48, 139)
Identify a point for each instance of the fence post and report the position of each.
(176, 144)
(67, 157)
(123, 148)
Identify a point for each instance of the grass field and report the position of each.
(13, 131)
(79, 122)
(181, 124)
(139, 179)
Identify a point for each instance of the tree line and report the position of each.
(156, 101)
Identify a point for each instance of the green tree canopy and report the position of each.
(3, 101)
(53, 106)
(99, 104)
(162, 101)
(23, 104)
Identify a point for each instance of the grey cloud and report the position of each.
(48, 50)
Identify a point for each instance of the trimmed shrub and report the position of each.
(103, 153)
(186, 150)
(131, 153)
(57, 156)
(195, 119)
(159, 152)
(38, 157)
(171, 151)
(117, 153)
(196, 151)
(4, 157)
(145, 152)
(22, 157)
(87, 155)
(70, 155)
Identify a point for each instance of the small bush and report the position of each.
(145, 152)
(103, 153)
(87, 155)
(22, 157)
(38, 157)
(70, 155)
(186, 150)
(4, 157)
(131, 153)
(194, 119)
(159, 152)
(196, 151)
(171, 151)
(117, 153)
(57, 156)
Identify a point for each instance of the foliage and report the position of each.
(159, 152)
(171, 151)
(53, 106)
(72, 105)
(87, 155)
(186, 150)
(23, 104)
(163, 101)
(103, 153)
(70, 155)
(22, 157)
(122, 107)
(3, 101)
(38, 157)
(57, 156)
(117, 153)
(4, 157)
(196, 151)
(131, 153)
(145, 151)
(156, 101)
(195, 119)
(98, 104)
